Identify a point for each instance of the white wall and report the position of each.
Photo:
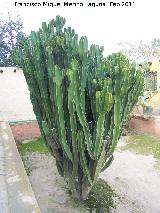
(15, 101)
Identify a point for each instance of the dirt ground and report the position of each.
(134, 177)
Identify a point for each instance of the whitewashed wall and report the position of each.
(15, 101)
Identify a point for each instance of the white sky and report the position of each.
(104, 25)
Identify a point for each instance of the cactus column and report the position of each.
(81, 100)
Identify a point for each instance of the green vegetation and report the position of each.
(33, 146)
(81, 100)
(100, 198)
(11, 34)
(143, 144)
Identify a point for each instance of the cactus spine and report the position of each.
(81, 100)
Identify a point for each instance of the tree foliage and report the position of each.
(10, 35)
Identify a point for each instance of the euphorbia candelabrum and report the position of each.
(81, 100)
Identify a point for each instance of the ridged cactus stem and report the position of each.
(81, 100)
(99, 135)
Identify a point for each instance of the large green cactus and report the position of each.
(81, 100)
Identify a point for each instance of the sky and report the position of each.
(105, 26)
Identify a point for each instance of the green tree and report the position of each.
(10, 35)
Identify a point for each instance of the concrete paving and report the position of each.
(16, 195)
(3, 185)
